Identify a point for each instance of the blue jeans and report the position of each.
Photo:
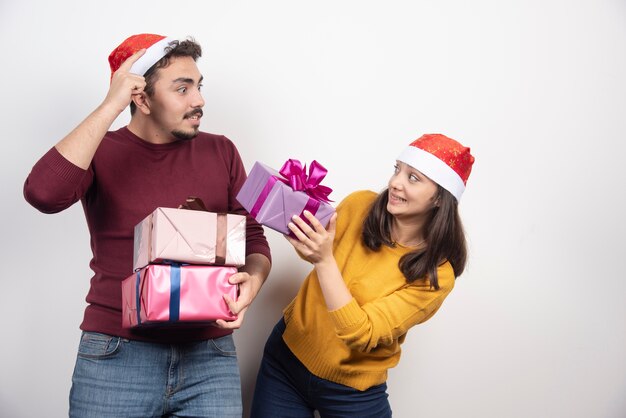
(285, 388)
(115, 377)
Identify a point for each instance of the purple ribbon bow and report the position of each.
(297, 179)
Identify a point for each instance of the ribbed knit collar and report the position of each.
(151, 146)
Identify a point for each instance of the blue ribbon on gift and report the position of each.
(174, 293)
(138, 297)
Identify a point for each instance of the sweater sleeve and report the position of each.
(383, 321)
(54, 184)
(256, 243)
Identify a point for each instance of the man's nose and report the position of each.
(197, 100)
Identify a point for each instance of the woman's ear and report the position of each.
(142, 102)
(437, 201)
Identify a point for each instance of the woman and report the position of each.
(385, 263)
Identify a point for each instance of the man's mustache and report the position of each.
(196, 112)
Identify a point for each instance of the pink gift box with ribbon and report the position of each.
(273, 197)
(177, 295)
(190, 236)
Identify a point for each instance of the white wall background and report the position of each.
(536, 325)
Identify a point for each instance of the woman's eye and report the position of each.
(396, 169)
(413, 177)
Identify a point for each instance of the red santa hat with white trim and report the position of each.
(155, 46)
(442, 159)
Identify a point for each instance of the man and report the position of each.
(120, 177)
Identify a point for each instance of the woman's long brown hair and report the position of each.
(445, 238)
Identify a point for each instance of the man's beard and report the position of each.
(189, 135)
(185, 135)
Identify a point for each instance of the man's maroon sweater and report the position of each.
(127, 179)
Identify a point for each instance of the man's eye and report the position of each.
(182, 89)
(200, 87)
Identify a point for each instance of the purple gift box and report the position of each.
(273, 197)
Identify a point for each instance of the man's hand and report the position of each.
(250, 279)
(124, 84)
(248, 288)
(80, 145)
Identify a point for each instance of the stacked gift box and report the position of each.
(182, 261)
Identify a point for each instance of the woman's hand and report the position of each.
(314, 242)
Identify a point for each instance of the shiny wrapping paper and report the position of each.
(273, 197)
(177, 295)
(190, 236)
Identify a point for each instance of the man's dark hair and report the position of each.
(186, 48)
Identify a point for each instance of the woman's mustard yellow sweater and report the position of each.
(356, 344)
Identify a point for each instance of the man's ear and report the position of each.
(142, 101)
